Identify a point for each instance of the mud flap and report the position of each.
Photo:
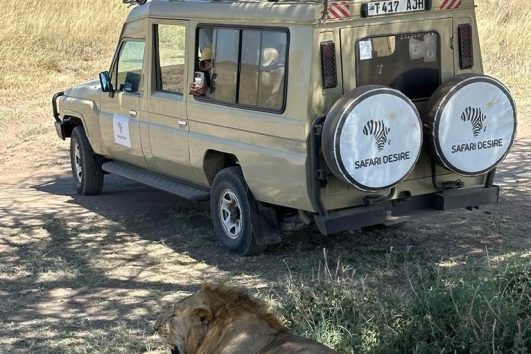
(266, 226)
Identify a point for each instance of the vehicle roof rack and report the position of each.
(324, 13)
(142, 2)
(134, 2)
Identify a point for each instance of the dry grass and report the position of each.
(46, 47)
(41, 39)
(505, 33)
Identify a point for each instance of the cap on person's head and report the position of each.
(270, 56)
(206, 54)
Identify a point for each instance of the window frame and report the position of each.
(439, 55)
(116, 65)
(240, 28)
(156, 57)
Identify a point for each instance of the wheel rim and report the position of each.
(230, 214)
(78, 169)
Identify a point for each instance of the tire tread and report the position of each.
(233, 177)
(92, 179)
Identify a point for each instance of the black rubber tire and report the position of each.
(91, 180)
(231, 179)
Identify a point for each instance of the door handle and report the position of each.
(182, 123)
(132, 114)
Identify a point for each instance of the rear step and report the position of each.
(155, 180)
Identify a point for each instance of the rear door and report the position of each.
(414, 57)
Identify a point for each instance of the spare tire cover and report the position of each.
(471, 121)
(372, 137)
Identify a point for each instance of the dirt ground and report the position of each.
(82, 274)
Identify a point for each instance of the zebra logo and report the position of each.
(379, 131)
(476, 118)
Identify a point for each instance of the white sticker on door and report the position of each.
(120, 126)
(365, 49)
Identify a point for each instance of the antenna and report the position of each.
(133, 2)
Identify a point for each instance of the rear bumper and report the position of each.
(383, 212)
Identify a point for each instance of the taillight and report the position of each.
(466, 51)
(328, 64)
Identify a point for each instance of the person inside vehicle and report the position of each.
(202, 78)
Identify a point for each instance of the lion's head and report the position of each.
(185, 325)
(218, 319)
(198, 321)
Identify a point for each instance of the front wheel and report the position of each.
(233, 207)
(87, 172)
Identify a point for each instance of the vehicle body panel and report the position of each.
(271, 148)
(82, 102)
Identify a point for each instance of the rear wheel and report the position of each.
(87, 172)
(233, 209)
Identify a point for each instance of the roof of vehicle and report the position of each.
(261, 11)
(244, 10)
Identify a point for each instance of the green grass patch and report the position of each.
(433, 310)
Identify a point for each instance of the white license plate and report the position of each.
(394, 6)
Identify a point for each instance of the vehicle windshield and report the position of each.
(406, 62)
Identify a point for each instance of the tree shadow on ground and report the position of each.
(186, 226)
(74, 264)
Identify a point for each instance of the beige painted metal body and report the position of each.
(175, 134)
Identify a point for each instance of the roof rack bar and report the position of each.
(134, 2)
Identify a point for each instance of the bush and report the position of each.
(439, 311)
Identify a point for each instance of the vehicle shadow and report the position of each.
(186, 227)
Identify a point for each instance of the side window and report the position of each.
(130, 65)
(250, 73)
(263, 68)
(169, 55)
(250, 70)
(225, 71)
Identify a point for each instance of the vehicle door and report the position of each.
(123, 111)
(168, 91)
(414, 57)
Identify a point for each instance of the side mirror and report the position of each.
(105, 82)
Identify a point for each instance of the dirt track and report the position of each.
(78, 272)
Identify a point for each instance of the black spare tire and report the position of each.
(471, 123)
(372, 137)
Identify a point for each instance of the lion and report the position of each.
(223, 320)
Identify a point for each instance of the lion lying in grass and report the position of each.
(221, 320)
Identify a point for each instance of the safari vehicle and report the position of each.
(285, 113)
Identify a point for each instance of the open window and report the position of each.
(248, 66)
(169, 42)
(130, 66)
